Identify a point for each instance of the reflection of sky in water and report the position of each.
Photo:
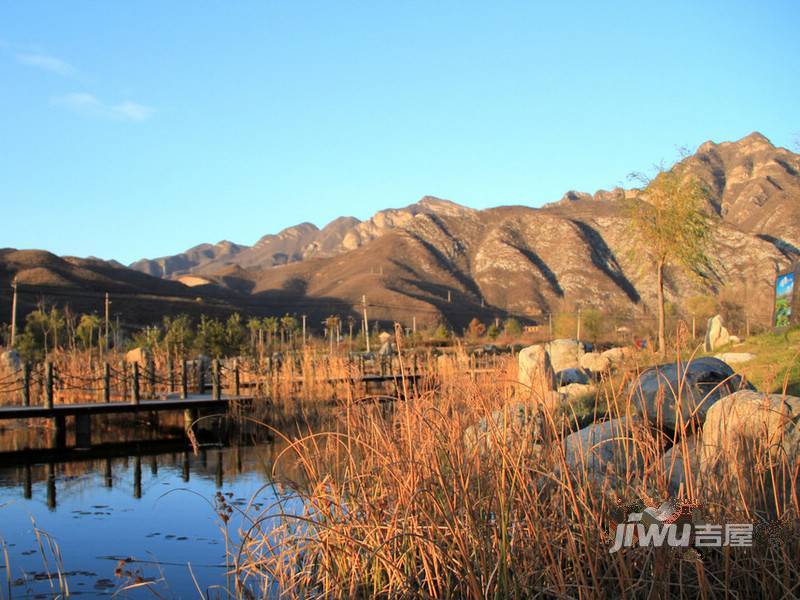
(785, 284)
(95, 526)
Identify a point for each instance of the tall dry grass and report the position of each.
(397, 505)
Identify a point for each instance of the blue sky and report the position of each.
(142, 128)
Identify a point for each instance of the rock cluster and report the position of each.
(707, 416)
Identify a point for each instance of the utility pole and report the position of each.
(579, 324)
(304, 330)
(366, 322)
(106, 310)
(14, 312)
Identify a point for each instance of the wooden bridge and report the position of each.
(190, 404)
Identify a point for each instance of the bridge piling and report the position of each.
(48, 399)
(136, 390)
(83, 430)
(26, 384)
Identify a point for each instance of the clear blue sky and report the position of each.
(142, 128)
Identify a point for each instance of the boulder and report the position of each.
(751, 442)
(605, 450)
(735, 358)
(565, 353)
(716, 335)
(535, 371)
(574, 391)
(693, 386)
(10, 361)
(680, 462)
(595, 362)
(568, 376)
(748, 421)
(503, 426)
(137, 355)
(617, 356)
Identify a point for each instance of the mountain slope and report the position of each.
(435, 259)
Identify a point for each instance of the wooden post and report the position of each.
(48, 398)
(136, 397)
(694, 328)
(106, 383)
(108, 473)
(219, 479)
(185, 474)
(215, 380)
(201, 377)
(83, 430)
(171, 373)
(236, 377)
(137, 477)
(59, 438)
(26, 384)
(51, 486)
(28, 482)
(151, 377)
(124, 381)
(184, 380)
(579, 325)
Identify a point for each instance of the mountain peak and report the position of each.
(440, 206)
(755, 138)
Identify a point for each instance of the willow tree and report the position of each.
(671, 228)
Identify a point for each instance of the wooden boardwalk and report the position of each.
(191, 402)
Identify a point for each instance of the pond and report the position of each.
(123, 513)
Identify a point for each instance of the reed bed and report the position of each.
(398, 505)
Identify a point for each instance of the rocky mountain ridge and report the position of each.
(435, 259)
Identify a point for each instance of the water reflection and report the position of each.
(128, 509)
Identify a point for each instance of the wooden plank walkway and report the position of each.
(193, 401)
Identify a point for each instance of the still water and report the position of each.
(143, 513)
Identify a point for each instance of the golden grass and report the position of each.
(396, 505)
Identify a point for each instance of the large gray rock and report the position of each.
(568, 376)
(751, 442)
(748, 421)
(716, 335)
(535, 373)
(735, 358)
(504, 426)
(595, 362)
(9, 361)
(681, 465)
(694, 387)
(605, 451)
(576, 391)
(565, 354)
(616, 356)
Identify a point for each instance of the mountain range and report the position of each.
(436, 259)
